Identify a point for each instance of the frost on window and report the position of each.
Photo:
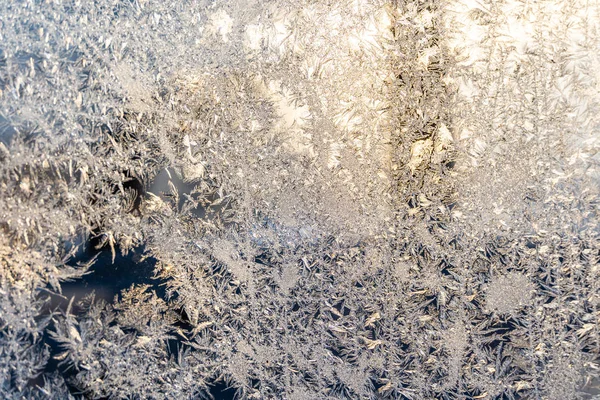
(299, 199)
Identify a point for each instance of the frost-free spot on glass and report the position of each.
(7, 131)
(220, 391)
(170, 187)
(107, 279)
(53, 366)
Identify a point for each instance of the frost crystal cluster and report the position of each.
(307, 199)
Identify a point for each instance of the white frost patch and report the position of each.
(467, 89)
(335, 155)
(419, 151)
(368, 37)
(426, 55)
(347, 118)
(292, 117)
(287, 104)
(254, 36)
(221, 24)
(519, 33)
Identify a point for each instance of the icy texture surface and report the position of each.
(299, 199)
